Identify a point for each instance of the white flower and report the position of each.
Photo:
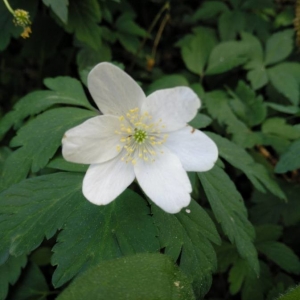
(140, 137)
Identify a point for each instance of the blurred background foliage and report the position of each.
(242, 58)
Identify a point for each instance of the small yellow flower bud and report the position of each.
(26, 32)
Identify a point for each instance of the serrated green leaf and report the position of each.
(142, 276)
(291, 294)
(247, 106)
(188, 234)
(32, 286)
(240, 159)
(290, 159)
(59, 7)
(227, 205)
(218, 106)
(280, 254)
(196, 48)
(279, 46)
(226, 56)
(65, 90)
(35, 208)
(83, 19)
(39, 140)
(121, 228)
(167, 81)
(237, 275)
(283, 108)
(10, 272)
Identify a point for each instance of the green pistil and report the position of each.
(140, 135)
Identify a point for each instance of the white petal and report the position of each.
(175, 107)
(196, 151)
(113, 90)
(93, 141)
(105, 182)
(164, 181)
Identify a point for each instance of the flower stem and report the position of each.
(8, 7)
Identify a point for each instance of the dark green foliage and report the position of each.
(238, 238)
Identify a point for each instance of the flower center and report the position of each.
(141, 137)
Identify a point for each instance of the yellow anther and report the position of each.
(121, 118)
(118, 148)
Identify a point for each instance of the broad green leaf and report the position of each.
(285, 81)
(291, 294)
(240, 159)
(200, 121)
(208, 10)
(4, 154)
(230, 23)
(279, 127)
(82, 21)
(59, 163)
(247, 106)
(289, 160)
(59, 7)
(39, 140)
(226, 56)
(196, 48)
(229, 210)
(279, 46)
(126, 24)
(258, 77)
(129, 42)
(218, 106)
(10, 271)
(283, 108)
(237, 275)
(65, 90)
(167, 81)
(36, 208)
(32, 285)
(280, 254)
(189, 234)
(135, 277)
(121, 228)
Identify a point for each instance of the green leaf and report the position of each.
(269, 209)
(290, 159)
(83, 19)
(279, 127)
(39, 140)
(59, 7)
(167, 81)
(126, 24)
(121, 228)
(285, 81)
(196, 48)
(280, 254)
(10, 272)
(267, 232)
(226, 56)
(230, 24)
(291, 294)
(35, 208)
(32, 286)
(142, 276)
(237, 275)
(247, 106)
(283, 108)
(200, 121)
(218, 106)
(229, 210)
(60, 163)
(279, 46)
(129, 42)
(189, 234)
(65, 90)
(240, 159)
